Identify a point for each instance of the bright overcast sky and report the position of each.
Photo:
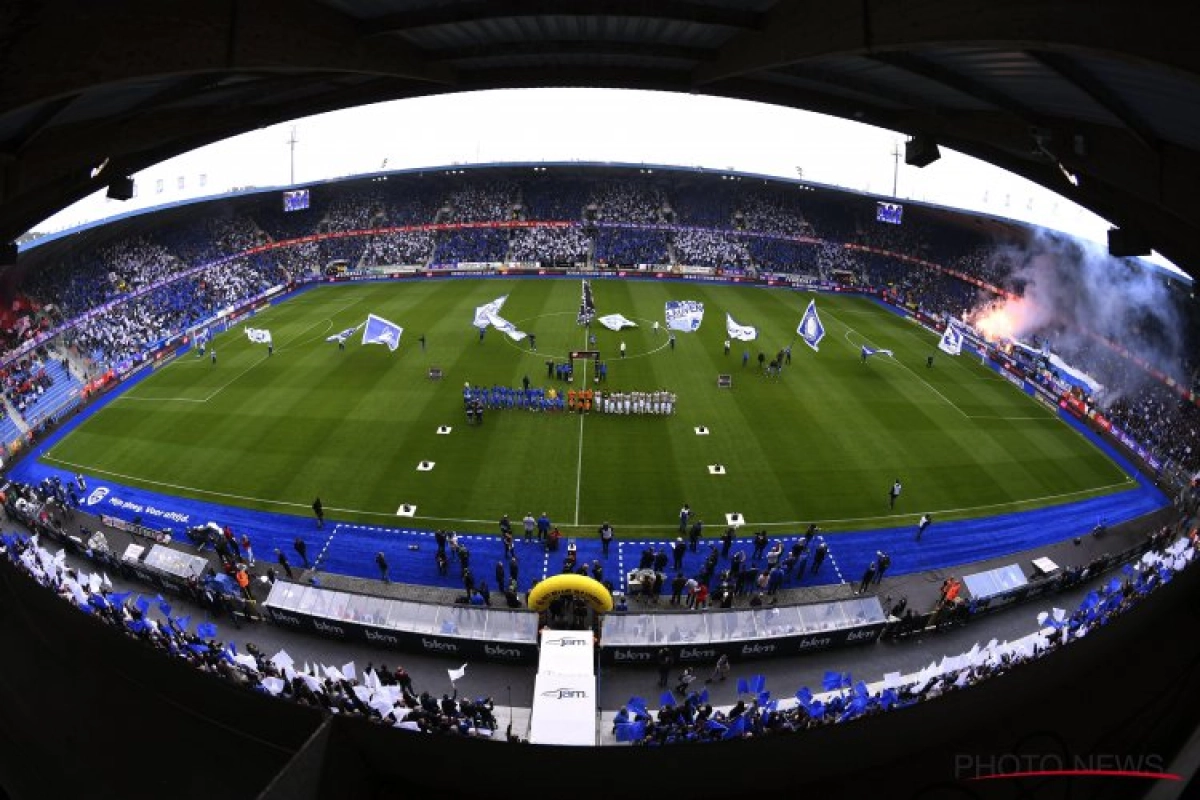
(590, 125)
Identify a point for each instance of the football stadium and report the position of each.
(568, 467)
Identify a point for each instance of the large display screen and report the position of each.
(891, 213)
(296, 200)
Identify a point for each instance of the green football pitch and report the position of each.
(822, 443)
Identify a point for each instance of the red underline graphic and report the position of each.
(1087, 773)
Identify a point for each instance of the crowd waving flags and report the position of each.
(810, 329)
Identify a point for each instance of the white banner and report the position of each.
(952, 340)
(615, 322)
(743, 333)
(259, 335)
(684, 315)
(506, 327)
(485, 311)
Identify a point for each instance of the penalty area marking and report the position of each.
(316, 565)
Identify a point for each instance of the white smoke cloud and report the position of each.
(1071, 291)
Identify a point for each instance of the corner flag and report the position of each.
(379, 331)
(811, 330)
(952, 340)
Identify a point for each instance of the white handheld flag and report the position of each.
(344, 335)
(259, 335)
(484, 312)
(378, 330)
(506, 327)
(811, 330)
(952, 340)
(743, 333)
(615, 322)
(455, 674)
(684, 315)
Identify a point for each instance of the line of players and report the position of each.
(660, 403)
(503, 397)
(478, 398)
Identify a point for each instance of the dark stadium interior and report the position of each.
(1106, 92)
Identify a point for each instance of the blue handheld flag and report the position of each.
(811, 330)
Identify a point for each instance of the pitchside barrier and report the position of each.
(476, 632)
(756, 633)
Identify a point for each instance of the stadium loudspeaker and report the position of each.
(8, 254)
(121, 188)
(921, 151)
(1123, 242)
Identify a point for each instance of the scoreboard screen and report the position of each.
(296, 200)
(891, 213)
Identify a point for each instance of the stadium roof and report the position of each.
(1105, 91)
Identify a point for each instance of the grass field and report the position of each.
(823, 443)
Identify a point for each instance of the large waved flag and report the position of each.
(587, 305)
(344, 335)
(952, 340)
(259, 335)
(684, 315)
(868, 351)
(811, 330)
(743, 333)
(457, 674)
(378, 330)
(485, 312)
(506, 327)
(615, 322)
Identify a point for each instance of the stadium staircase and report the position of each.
(62, 389)
(12, 427)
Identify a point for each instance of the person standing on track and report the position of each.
(922, 525)
(319, 511)
(301, 548)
